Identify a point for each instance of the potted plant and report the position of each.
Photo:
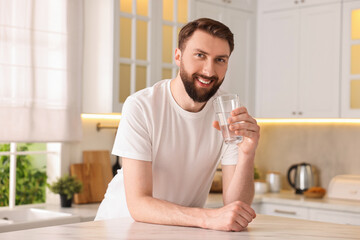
(256, 174)
(66, 186)
(260, 185)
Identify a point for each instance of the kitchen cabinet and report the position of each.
(334, 216)
(246, 5)
(350, 76)
(271, 5)
(288, 204)
(284, 210)
(298, 63)
(309, 213)
(128, 46)
(97, 95)
(240, 74)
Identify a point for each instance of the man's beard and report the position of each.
(198, 95)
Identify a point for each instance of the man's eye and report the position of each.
(221, 60)
(200, 55)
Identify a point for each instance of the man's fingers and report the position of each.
(244, 126)
(216, 125)
(249, 210)
(242, 221)
(238, 111)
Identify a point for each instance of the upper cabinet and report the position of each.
(98, 57)
(276, 5)
(298, 64)
(239, 16)
(350, 77)
(245, 5)
(304, 54)
(128, 45)
(145, 39)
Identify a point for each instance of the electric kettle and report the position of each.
(303, 177)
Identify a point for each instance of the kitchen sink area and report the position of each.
(26, 218)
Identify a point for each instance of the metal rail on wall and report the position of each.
(99, 126)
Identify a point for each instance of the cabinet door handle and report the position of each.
(285, 212)
(293, 113)
(296, 2)
(302, 1)
(300, 113)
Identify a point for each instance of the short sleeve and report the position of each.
(230, 154)
(133, 138)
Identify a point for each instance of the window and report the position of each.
(40, 82)
(23, 170)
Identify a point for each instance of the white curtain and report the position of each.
(40, 70)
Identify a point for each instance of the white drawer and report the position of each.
(334, 217)
(284, 210)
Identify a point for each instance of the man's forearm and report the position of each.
(241, 184)
(232, 217)
(152, 210)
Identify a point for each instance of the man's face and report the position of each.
(203, 64)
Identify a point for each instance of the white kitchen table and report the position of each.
(263, 227)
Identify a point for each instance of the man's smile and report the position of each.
(205, 81)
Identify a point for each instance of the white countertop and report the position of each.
(86, 212)
(263, 227)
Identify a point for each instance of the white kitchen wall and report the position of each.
(92, 140)
(332, 148)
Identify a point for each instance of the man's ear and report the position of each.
(177, 56)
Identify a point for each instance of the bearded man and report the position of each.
(170, 143)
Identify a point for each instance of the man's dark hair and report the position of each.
(214, 28)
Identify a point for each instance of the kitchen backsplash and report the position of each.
(333, 149)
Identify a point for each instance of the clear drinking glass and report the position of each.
(223, 106)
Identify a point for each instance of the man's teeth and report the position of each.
(204, 81)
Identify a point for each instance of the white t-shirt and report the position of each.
(183, 147)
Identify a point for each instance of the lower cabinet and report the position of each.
(284, 211)
(307, 213)
(334, 216)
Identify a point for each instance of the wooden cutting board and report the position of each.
(91, 176)
(81, 172)
(101, 157)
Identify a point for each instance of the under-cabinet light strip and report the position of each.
(259, 120)
(101, 116)
(308, 120)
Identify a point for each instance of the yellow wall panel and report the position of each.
(182, 11)
(167, 44)
(142, 7)
(166, 73)
(126, 6)
(355, 94)
(141, 39)
(140, 77)
(125, 37)
(168, 10)
(124, 80)
(355, 24)
(355, 59)
(177, 36)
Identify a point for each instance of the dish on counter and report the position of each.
(315, 192)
